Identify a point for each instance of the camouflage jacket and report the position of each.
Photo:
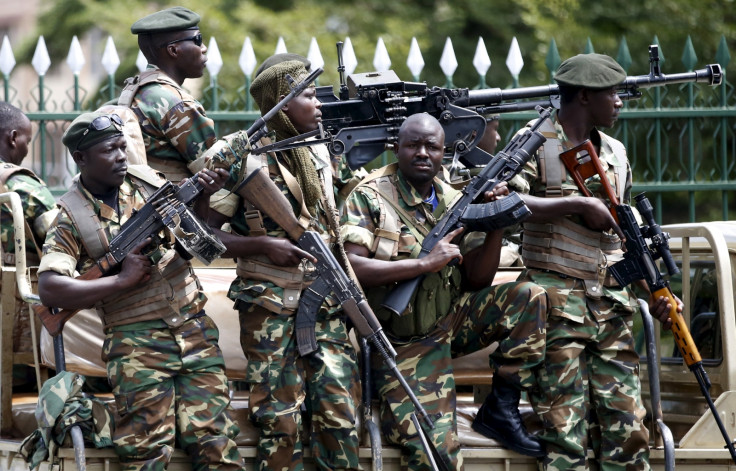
(173, 123)
(64, 251)
(364, 217)
(39, 210)
(567, 298)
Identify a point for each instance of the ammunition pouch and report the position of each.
(293, 280)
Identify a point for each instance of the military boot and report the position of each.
(499, 418)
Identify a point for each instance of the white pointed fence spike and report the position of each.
(481, 61)
(7, 58)
(247, 60)
(415, 61)
(110, 58)
(448, 61)
(75, 58)
(349, 60)
(381, 60)
(280, 46)
(214, 58)
(314, 55)
(41, 60)
(141, 62)
(514, 61)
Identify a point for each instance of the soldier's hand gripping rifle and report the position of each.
(639, 262)
(365, 119)
(485, 217)
(258, 188)
(168, 208)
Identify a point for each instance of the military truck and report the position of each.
(705, 253)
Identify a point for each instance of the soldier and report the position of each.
(455, 310)
(39, 210)
(161, 351)
(175, 129)
(272, 273)
(567, 244)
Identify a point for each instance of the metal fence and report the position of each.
(680, 138)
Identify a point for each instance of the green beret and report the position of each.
(594, 71)
(84, 132)
(283, 57)
(171, 19)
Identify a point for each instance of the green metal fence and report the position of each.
(680, 138)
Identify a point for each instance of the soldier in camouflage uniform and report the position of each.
(39, 211)
(175, 129)
(163, 359)
(272, 274)
(567, 244)
(383, 224)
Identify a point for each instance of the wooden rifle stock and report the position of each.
(582, 162)
(54, 322)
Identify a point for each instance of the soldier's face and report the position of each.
(304, 111)
(190, 56)
(604, 106)
(419, 151)
(490, 138)
(104, 165)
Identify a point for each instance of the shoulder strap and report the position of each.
(132, 84)
(620, 152)
(83, 215)
(550, 166)
(146, 179)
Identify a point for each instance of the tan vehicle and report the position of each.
(706, 253)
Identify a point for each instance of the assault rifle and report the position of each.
(365, 119)
(167, 208)
(496, 214)
(639, 263)
(258, 188)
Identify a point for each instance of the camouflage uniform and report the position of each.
(589, 333)
(281, 382)
(167, 371)
(448, 322)
(39, 211)
(175, 129)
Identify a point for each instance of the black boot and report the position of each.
(498, 418)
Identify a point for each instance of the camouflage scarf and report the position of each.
(267, 89)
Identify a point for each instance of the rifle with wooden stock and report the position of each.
(167, 207)
(258, 188)
(639, 262)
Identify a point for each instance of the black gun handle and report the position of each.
(398, 299)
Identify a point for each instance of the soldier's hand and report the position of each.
(136, 267)
(598, 217)
(660, 309)
(212, 180)
(284, 253)
(443, 253)
(501, 190)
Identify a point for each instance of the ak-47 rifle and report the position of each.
(167, 208)
(365, 119)
(488, 216)
(639, 262)
(258, 188)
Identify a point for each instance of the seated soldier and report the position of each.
(161, 351)
(455, 310)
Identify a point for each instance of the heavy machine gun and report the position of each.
(364, 120)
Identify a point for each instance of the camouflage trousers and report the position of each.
(325, 383)
(513, 314)
(170, 388)
(592, 363)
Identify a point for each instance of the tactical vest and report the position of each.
(172, 285)
(174, 170)
(42, 223)
(438, 291)
(564, 246)
(293, 280)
